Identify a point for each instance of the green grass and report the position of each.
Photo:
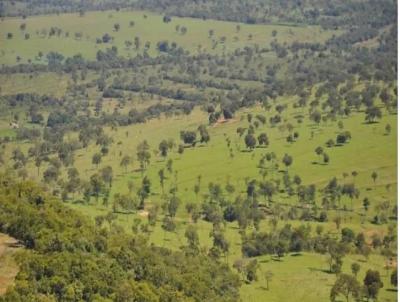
(213, 162)
(302, 278)
(303, 273)
(44, 83)
(94, 24)
(362, 154)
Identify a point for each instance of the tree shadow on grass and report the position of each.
(124, 213)
(318, 163)
(326, 271)
(296, 255)
(393, 290)
(263, 288)
(264, 261)
(79, 201)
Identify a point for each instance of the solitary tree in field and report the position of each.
(163, 147)
(131, 186)
(354, 174)
(125, 162)
(268, 277)
(38, 163)
(169, 165)
(161, 175)
(204, 136)
(128, 44)
(173, 205)
(263, 139)
(107, 175)
(136, 41)
(166, 19)
(388, 129)
(355, 268)
(250, 141)
(338, 221)
(143, 154)
(366, 204)
(251, 270)
(188, 137)
(319, 150)
(326, 158)
(372, 114)
(240, 131)
(373, 284)
(267, 189)
(330, 143)
(287, 160)
(192, 238)
(345, 285)
(374, 176)
(316, 117)
(168, 225)
(96, 159)
(144, 191)
(393, 278)
(220, 243)
(96, 185)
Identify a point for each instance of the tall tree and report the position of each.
(163, 147)
(143, 154)
(250, 141)
(345, 285)
(373, 284)
(125, 162)
(96, 159)
(287, 160)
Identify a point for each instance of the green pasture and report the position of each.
(305, 273)
(149, 27)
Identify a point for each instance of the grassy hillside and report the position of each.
(213, 162)
(149, 27)
(294, 159)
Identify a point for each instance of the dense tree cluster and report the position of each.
(67, 257)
